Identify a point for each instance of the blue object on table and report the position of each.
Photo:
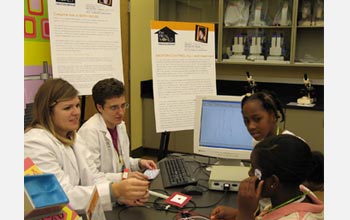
(45, 190)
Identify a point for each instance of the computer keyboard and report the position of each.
(174, 173)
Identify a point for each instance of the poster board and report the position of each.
(183, 66)
(85, 40)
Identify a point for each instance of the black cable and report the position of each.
(157, 205)
(201, 168)
(215, 203)
(164, 206)
(205, 188)
(189, 215)
(147, 205)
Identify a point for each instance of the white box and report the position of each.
(231, 175)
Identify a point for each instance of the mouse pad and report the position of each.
(178, 199)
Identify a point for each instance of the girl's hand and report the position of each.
(248, 197)
(223, 213)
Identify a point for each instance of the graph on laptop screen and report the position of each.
(219, 129)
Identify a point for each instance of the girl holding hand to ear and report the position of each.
(280, 164)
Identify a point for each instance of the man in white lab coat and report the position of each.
(106, 135)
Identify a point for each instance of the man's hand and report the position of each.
(147, 164)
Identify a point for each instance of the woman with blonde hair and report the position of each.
(50, 142)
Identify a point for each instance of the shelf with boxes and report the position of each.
(271, 32)
(262, 32)
(256, 31)
(257, 44)
(309, 41)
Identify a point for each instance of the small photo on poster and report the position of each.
(201, 34)
(105, 2)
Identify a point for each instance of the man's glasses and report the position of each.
(118, 107)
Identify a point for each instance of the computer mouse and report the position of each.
(192, 190)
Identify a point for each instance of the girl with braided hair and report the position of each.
(262, 112)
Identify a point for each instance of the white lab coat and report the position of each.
(99, 142)
(69, 164)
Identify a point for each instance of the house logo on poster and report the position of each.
(166, 36)
(65, 2)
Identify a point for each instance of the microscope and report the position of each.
(255, 49)
(252, 86)
(238, 47)
(276, 48)
(306, 98)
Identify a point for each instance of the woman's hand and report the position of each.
(131, 189)
(137, 175)
(137, 202)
